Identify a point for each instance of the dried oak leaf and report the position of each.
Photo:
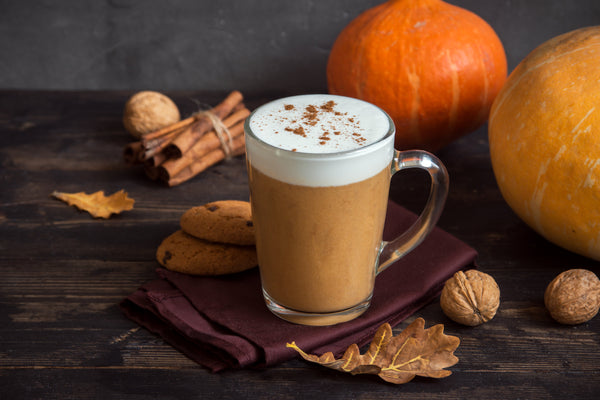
(396, 359)
(97, 204)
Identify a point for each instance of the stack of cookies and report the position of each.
(216, 238)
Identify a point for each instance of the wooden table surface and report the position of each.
(63, 274)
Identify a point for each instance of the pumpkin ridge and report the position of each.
(485, 95)
(453, 109)
(548, 61)
(576, 130)
(362, 57)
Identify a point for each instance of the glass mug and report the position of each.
(319, 170)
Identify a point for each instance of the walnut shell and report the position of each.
(573, 297)
(149, 111)
(470, 298)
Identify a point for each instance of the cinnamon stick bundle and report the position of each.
(209, 142)
(182, 150)
(183, 143)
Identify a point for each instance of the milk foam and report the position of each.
(319, 123)
(319, 140)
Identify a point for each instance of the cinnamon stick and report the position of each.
(187, 139)
(156, 160)
(167, 138)
(209, 159)
(131, 153)
(155, 146)
(209, 142)
(167, 129)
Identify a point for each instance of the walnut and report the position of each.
(573, 297)
(470, 298)
(149, 111)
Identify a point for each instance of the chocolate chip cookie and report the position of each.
(187, 254)
(224, 221)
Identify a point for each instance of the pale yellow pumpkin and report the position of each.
(544, 135)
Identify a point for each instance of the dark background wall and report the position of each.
(252, 45)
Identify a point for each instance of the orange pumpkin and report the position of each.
(544, 134)
(434, 67)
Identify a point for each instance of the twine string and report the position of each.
(221, 131)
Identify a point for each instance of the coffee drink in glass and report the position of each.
(319, 169)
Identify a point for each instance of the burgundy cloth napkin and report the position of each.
(222, 322)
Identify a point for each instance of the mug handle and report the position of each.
(393, 250)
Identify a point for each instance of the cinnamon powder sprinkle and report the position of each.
(310, 117)
(299, 131)
(328, 106)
